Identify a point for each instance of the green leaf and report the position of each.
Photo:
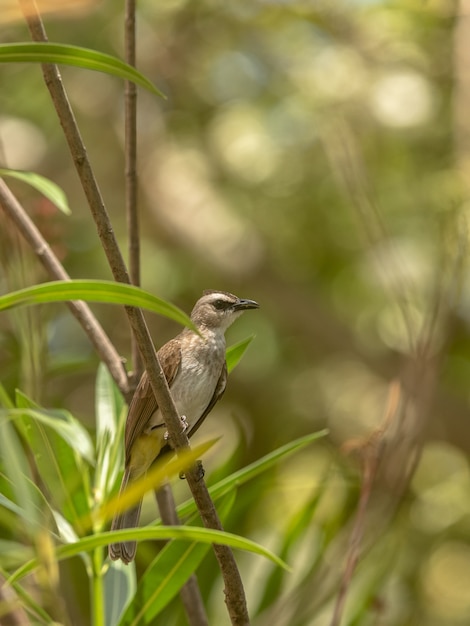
(45, 186)
(93, 291)
(14, 552)
(16, 518)
(110, 422)
(5, 400)
(62, 422)
(254, 469)
(61, 447)
(159, 586)
(119, 588)
(74, 55)
(234, 354)
(158, 475)
(181, 533)
(167, 573)
(17, 472)
(297, 526)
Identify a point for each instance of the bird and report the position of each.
(196, 371)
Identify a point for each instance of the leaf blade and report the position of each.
(47, 52)
(235, 352)
(105, 291)
(44, 185)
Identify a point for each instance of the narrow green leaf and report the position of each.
(45, 186)
(167, 573)
(62, 422)
(12, 506)
(17, 518)
(16, 469)
(254, 469)
(234, 354)
(74, 55)
(158, 475)
(272, 585)
(155, 591)
(93, 291)
(60, 446)
(182, 533)
(14, 552)
(5, 400)
(110, 422)
(119, 588)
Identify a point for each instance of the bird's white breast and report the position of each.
(202, 359)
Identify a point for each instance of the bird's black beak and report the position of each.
(243, 305)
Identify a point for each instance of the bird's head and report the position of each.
(217, 310)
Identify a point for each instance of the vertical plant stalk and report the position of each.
(80, 310)
(60, 100)
(97, 594)
(190, 594)
(234, 591)
(130, 166)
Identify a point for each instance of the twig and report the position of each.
(53, 81)
(234, 592)
(130, 166)
(80, 310)
(189, 593)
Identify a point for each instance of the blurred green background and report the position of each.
(313, 156)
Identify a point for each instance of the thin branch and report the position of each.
(189, 593)
(234, 592)
(53, 81)
(130, 158)
(80, 310)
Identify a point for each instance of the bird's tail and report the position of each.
(125, 550)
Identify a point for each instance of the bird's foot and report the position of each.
(184, 427)
(199, 469)
(184, 423)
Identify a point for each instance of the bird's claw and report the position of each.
(184, 423)
(184, 427)
(200, 471)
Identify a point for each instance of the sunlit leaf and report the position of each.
(158, 475)
(45, 186)
(17, 473)
(60, 446)
(62, 422)
(45, 52)
(93, 291)
(234, 353)
(256, 468)
(110, 421)
(181, 533)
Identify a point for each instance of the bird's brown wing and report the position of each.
(143, 403)
(218, 393)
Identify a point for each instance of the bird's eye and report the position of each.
(220, 305)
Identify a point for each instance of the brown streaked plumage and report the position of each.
(194, 366)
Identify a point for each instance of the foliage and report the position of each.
(313, 156)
